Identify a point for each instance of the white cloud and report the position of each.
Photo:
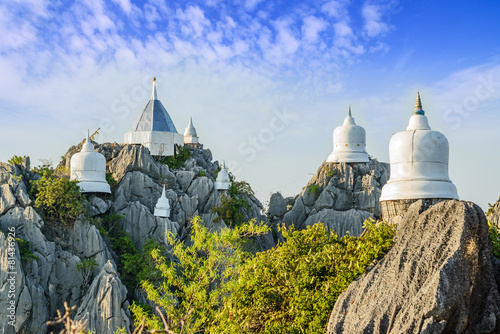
(373, 15)
(336, 8)
(193, 21)
(125, 5)
(311, 28)
(251, 4)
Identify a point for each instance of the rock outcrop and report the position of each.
(437, 278)
(43, 283)
(493, 214)
(105, 305)
(340, 195)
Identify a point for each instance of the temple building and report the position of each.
(89, 168)
(190, 135)
(162, 208)
(419, 167)
(349, 142)
(154, 128)
(222, 182)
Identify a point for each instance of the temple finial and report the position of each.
(163, 192)
(154, 96)
(350, 110)
(190, 120)
(418, 106)
(88, 136)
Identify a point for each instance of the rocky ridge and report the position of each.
(43, 284)
(340, 195)
(442, 281)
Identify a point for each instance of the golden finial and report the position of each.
(418, 106)
(154, 78)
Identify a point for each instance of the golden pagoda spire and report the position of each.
(418, 106)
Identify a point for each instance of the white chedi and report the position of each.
(190, 135)
(162, 208)
(349, 142)
(88, 167)
(223, 181)
(419, 162)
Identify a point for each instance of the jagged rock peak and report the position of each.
(437, 278)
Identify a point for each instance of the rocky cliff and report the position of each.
(42, 283)
(439, 277)
(340, 195)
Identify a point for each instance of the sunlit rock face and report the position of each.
(439, 277)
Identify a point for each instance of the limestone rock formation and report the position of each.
(437, 278)
(340, 195)
(43, 284)
(104, 305)
(493, 214)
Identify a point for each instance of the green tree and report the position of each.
(292, 288)
(194, 285)
(233, 203)
(59, 197)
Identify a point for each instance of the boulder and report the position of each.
(201, 186)
(135, 158)
(277, 205)
(297, 215)
(140, 224)
(340, 221)
(437, 278)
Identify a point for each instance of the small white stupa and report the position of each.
(419, 166)
(190, 135)
(162, 208)
(223, 181)
(154, 128)
(89, 168)
(349, 142)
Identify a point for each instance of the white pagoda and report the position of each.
(162, 208)
(89, 168)
(349, 142)
(154, 128)
(222, 182)
(190, 135)
(419, 166)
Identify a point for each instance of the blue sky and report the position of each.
(266, 82)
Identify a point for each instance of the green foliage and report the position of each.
(292, 288)
(59, 197)
(86, 267)
(194, 286)
(234, 202)
(134, 264)
(202, 173)
(180, 157)
(314, 189)
(495, 239)
(25, 250)
(16, 160)
(111, 180)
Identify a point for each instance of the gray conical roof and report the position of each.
(154, 116)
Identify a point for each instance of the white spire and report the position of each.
(190, 135)
(154, 96)
(162, 208)
(87, 146)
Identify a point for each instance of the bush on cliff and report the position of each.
(194, 285)
(59, 198)
(215, 286)
(292, 288)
